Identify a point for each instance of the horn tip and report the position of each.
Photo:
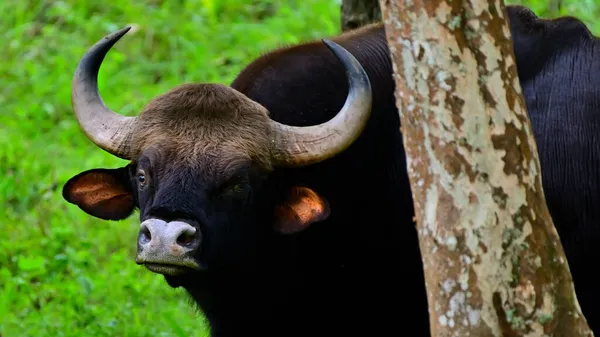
(342, 53)
(118, 34)
(330, 43)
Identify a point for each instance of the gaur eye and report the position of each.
(237, 184)
(237, 187)
(141, 178)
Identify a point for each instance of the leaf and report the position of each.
(28, 264)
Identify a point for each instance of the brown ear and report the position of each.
(301, 207)
(103, 193)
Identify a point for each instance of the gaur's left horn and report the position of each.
(300, 146)
(106, 128)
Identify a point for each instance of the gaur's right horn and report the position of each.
(106, 128)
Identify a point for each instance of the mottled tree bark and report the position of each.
(357, 13)
(493, 261)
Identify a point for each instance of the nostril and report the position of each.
(156, 235)
(145, 235)
(185, 239)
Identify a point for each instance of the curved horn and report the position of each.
(301, 146)
(106, 128)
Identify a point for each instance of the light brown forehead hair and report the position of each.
(194, 123)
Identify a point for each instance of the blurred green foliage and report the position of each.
(63, 273)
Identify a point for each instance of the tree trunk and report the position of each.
(493, 261)
(357, 13)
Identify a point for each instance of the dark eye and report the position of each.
(237, 184)
(141, 178)
(237, 188)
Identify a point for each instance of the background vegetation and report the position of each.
(63, 273)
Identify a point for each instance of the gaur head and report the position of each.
(199, 157)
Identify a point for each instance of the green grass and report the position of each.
(63, 273)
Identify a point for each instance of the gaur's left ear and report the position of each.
(301, 207)
(104, 193)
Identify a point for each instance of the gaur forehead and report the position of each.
(205, 125)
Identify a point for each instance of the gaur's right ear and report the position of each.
(104, 193)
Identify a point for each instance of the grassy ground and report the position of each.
(63, 273)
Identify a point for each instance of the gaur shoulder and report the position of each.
(524, 21)
(308, 55)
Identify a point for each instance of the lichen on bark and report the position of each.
(493, 262)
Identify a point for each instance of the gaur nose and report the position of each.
(163, 240)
